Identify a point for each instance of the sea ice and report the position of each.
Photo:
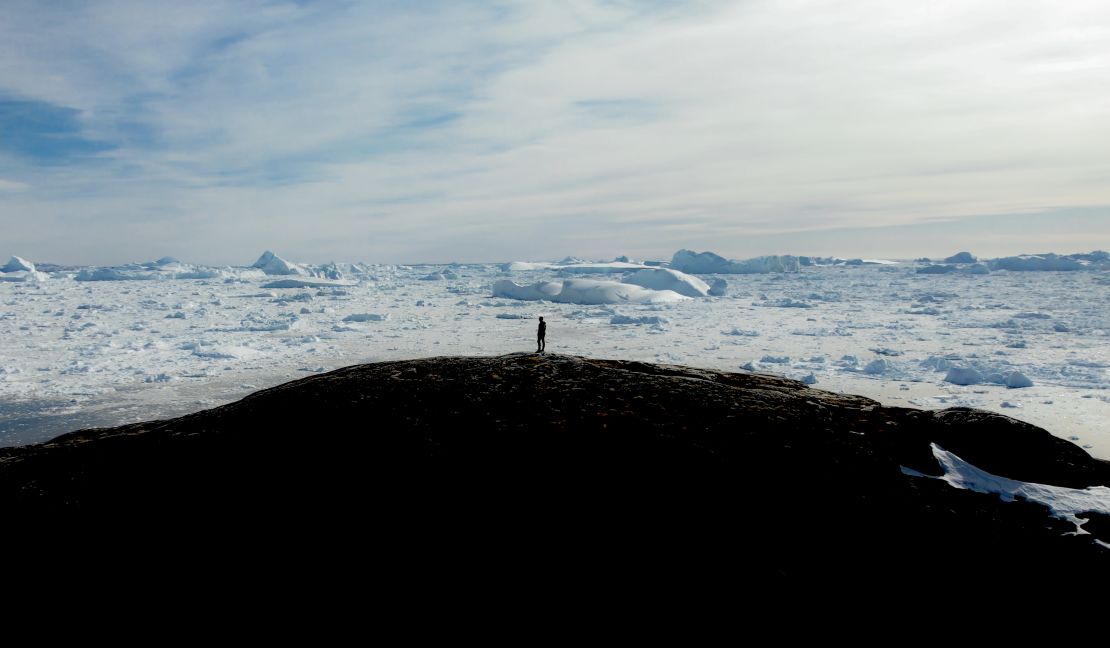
(963, 376)
(742, 332)
(366, 317)
(936, 269)
(878, 367)
(99, 342)
(785, 302)
(643, 319)
(302, 283)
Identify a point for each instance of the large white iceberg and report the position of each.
(667, 279)
(710, 263)
(585, 291)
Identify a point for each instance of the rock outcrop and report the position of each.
(751, 476)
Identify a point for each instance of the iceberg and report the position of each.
(936, 269)
(710, 263)
(667, 279)
(961, 257)
(1037, 262)
(19, 269)
(613, 267)
(525, 266)
(585, 291)
(18, 264)
(272, 264)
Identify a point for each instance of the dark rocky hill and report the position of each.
(565, 459)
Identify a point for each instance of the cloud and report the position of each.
(441, 131)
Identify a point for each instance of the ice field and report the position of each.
(1025, 336)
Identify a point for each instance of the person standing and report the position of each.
(541, 333)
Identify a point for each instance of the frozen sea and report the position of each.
(78, 354)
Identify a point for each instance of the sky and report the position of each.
(492, 131)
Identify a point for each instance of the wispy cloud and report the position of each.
(438, 131)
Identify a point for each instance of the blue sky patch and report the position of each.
(44, 133)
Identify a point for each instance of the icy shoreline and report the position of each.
(120, 351)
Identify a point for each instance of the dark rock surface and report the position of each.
(571, 460)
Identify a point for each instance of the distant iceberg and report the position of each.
(114, 274)
(160, 270)
(525, 266)
(19, 269)
(18, 264)
(961, 257)
(710, 263)
(272, 264)
(611, 267)
(1038, 262)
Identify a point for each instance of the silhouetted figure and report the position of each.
(541, 333)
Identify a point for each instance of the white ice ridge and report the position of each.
(1064, 503)
(585, 291)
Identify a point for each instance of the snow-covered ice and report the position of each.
(166, 337)
(1064, 503)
